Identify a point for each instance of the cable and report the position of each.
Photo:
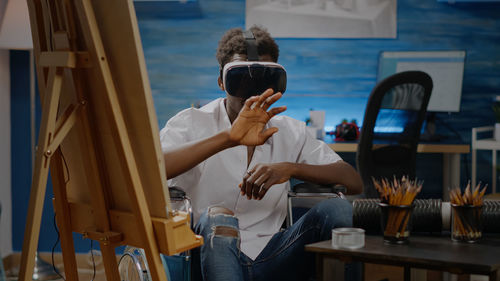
(51, 31)
(92, 255)
(55, 224)
(66, 165)
(53, 249)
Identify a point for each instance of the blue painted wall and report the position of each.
(324, 74)
(20, 141)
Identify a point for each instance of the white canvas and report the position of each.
(324, 18)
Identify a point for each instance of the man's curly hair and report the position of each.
(233, 42)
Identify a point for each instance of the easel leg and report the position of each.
(34, 218)
(109, 261)
(41, 172)
(62, 215)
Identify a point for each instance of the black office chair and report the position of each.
(391, 128)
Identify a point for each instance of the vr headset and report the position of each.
(244, 79)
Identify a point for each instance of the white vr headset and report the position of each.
(250, 78)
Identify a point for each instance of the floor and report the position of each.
(84, 262)
(373, 272)
(377, 272)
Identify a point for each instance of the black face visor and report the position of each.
(244, 79)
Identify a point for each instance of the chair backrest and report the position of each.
(391, 127)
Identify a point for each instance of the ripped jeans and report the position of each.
(283, 258)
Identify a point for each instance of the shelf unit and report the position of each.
(485, 144)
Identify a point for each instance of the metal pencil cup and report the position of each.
(466, 223)
(396, 222)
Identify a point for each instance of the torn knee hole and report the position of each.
(220, 210)
(225, 231)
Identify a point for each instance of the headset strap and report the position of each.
(252, 53)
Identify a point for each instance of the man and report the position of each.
(235, 163)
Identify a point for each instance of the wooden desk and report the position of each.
(451, 159)
(436, 253)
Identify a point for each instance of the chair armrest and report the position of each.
(312, 190)
(308, 187)
(176, 193)
(312, 195)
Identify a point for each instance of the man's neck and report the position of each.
(232, 114)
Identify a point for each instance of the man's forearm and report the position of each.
(184, 158)
(339, 172)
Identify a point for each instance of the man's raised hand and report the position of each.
(248, 127)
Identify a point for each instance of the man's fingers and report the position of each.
(256, 178)
(265, 100)
(255, 191)
(270, 100)
(276, 110)
(250, 101)
(249, 190)
(242, 190)
(242, 185)
(247, 175)
(259, 183)
(263, 97)
(249, 186)
(267, 133)
(264, 188)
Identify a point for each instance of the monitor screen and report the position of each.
(446, 69)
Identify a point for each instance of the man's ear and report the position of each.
(221, 85)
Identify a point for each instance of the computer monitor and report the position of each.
(446, 69)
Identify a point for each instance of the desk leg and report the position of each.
(451, 173)
(493, 171)
(319, 267)
(418, 274)
(449, 276)
(494, 276)
(407, 273)
(473, 172)
(333, 269)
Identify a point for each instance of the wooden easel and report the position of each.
(99, 137)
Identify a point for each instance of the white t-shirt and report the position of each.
(214, 182)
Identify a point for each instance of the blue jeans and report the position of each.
(283, 258)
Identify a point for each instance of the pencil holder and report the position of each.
(466, 225)
(396, 222)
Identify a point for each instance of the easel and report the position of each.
(99, 136)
